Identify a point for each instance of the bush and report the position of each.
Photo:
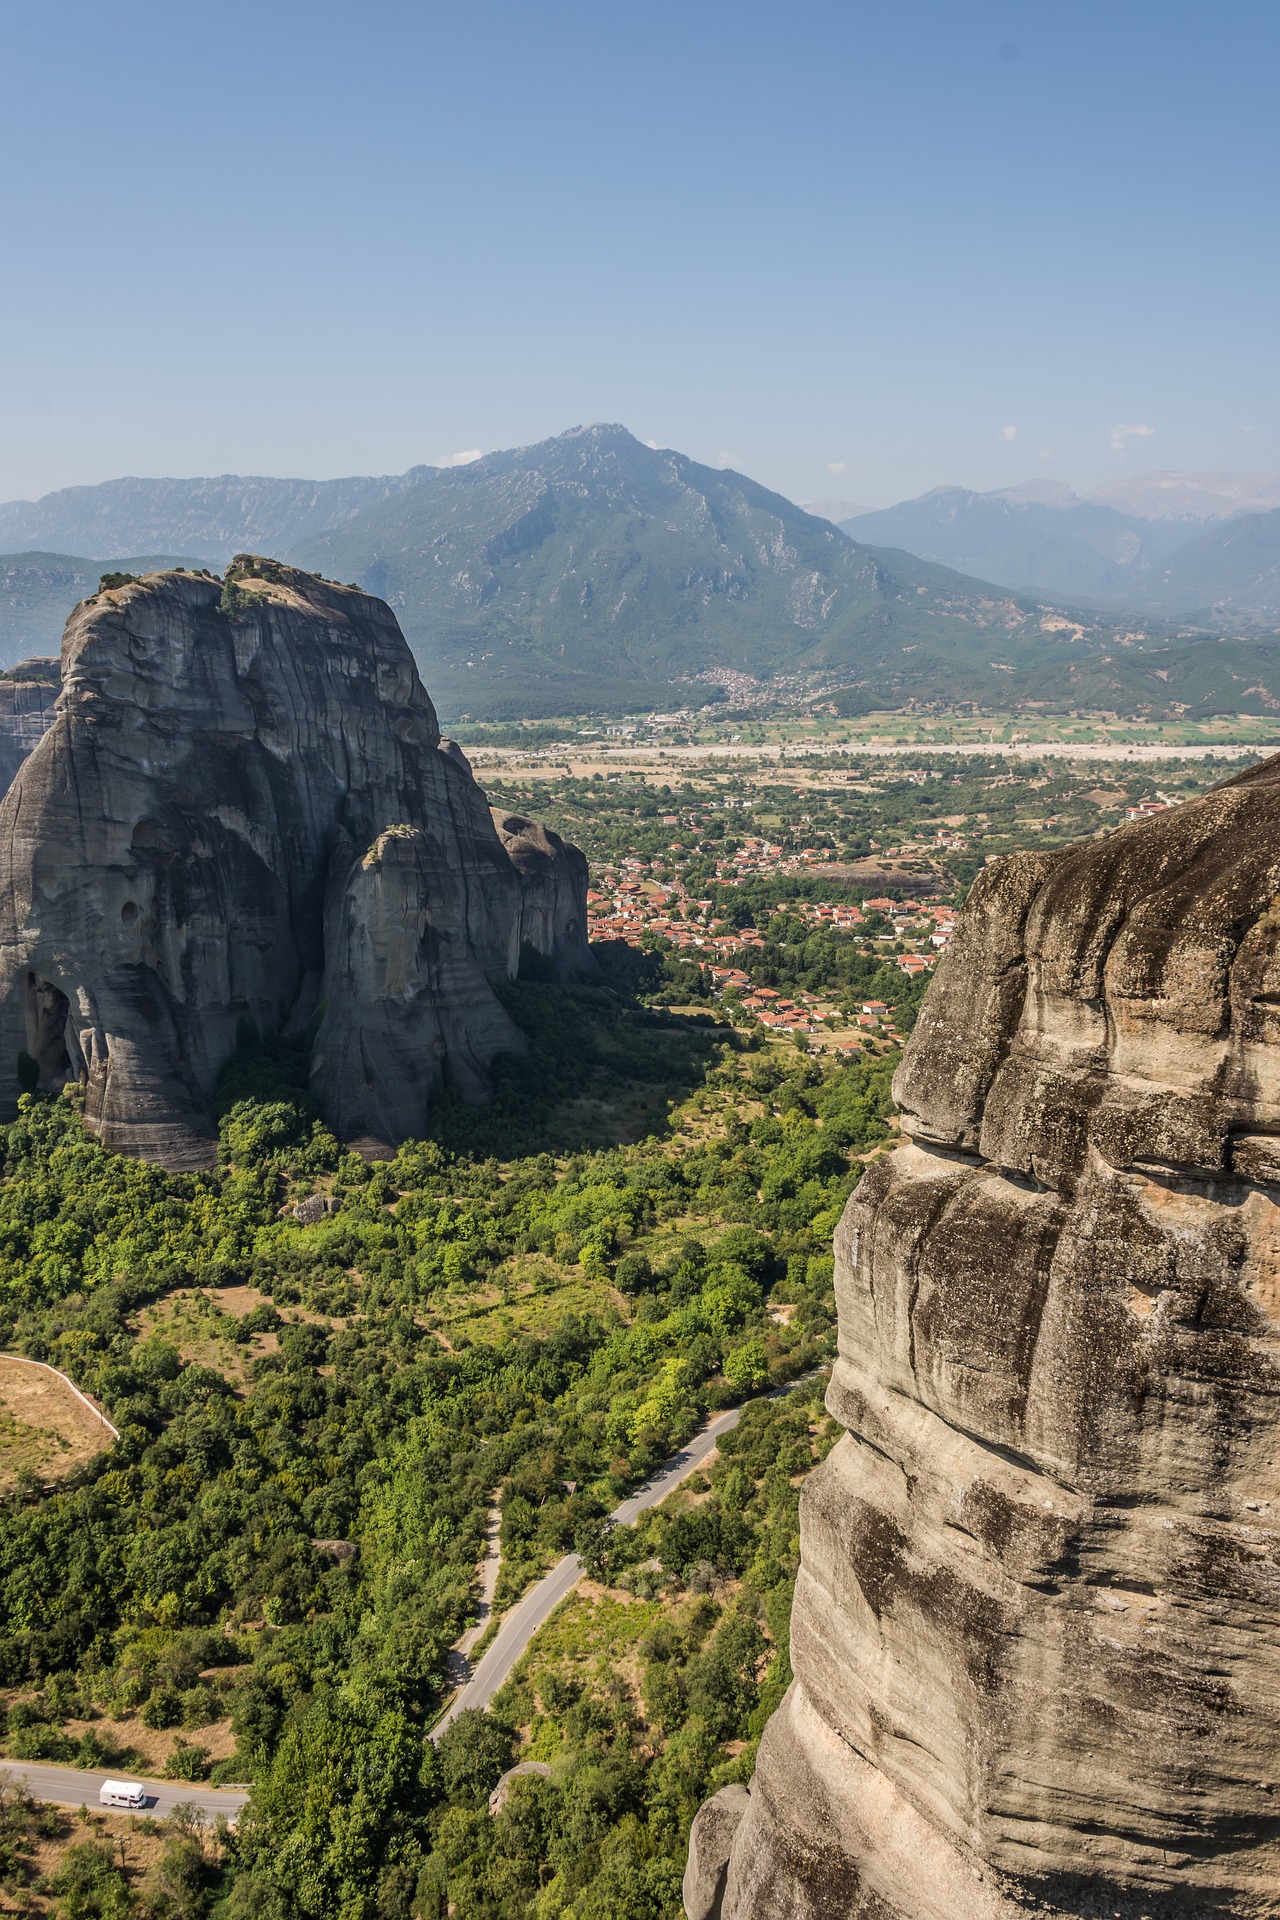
(200, 1706)
(162, 1708)
(90, 1884)
(186, 1761)
(43, 1743)
(746, 1367)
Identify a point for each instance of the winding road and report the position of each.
(537, 1606)
(78, 1787)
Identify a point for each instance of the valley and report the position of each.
(323, 1368)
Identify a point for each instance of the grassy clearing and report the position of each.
(45, 1431)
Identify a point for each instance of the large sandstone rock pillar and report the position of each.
(1036, 1635)
(244, 813)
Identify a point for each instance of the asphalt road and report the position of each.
(78, 1787)
(537, 1606)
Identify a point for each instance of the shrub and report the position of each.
(162, 1708)
(186, 1761)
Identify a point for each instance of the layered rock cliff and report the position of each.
(27, 695)
(1036, 1634)
(244, 810)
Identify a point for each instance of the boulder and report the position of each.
(1036, 1632)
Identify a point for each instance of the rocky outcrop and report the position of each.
(244, 812)
(1036, 1634)
(27, 695)
(553, 890)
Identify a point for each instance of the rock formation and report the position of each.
(553, 889)
(244, 811)
(1036, 1635)
(27, 695)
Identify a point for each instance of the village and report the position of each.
(627, 902)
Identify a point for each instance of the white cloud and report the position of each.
(728, 459)
(1044, 454)
(653, 444)
(837, 466)
(1121, 436)
(1249, 429)
(457, 459)
(1008, 433)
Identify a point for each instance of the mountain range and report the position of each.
(208, 519)
(1171, 544)
(593, 571)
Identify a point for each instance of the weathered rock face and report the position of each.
(553, 890)
(1036, 1635)
(27, 696)
(250, 814)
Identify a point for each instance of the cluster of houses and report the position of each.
(624, 905)
(1145, 809)
(908, 918)
(805, 1014)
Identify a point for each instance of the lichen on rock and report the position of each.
(1036, 1634)
(244, 812)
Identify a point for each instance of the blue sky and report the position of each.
(857, 250)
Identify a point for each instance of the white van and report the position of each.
(122, 1793)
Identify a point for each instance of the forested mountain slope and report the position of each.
(592, 568)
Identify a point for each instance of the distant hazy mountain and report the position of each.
(1039, 539)
(209, 519)
(1230, 570)
(1162, 542)
(592, 569)
(1190, 496)
(38, 591)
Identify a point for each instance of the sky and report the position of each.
(854, 250)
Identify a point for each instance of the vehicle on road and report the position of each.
(122, 1793)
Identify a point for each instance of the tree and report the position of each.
(475, 1750)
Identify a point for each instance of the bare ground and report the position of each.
(44, 1428)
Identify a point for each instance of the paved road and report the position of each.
(537, 1606)
(77, 1787)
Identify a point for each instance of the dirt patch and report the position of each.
(153, 1745)
(44, 1428)
(238, 1301)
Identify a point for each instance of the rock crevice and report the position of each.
(1036, 1633)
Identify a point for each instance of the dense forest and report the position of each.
(324, 1371)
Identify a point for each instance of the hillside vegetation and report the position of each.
(318, 1405)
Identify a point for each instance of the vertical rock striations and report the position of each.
(1036, 1634)
(244, 811)
(553, 890)
(27, 695)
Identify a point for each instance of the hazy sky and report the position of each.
(856, 250)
